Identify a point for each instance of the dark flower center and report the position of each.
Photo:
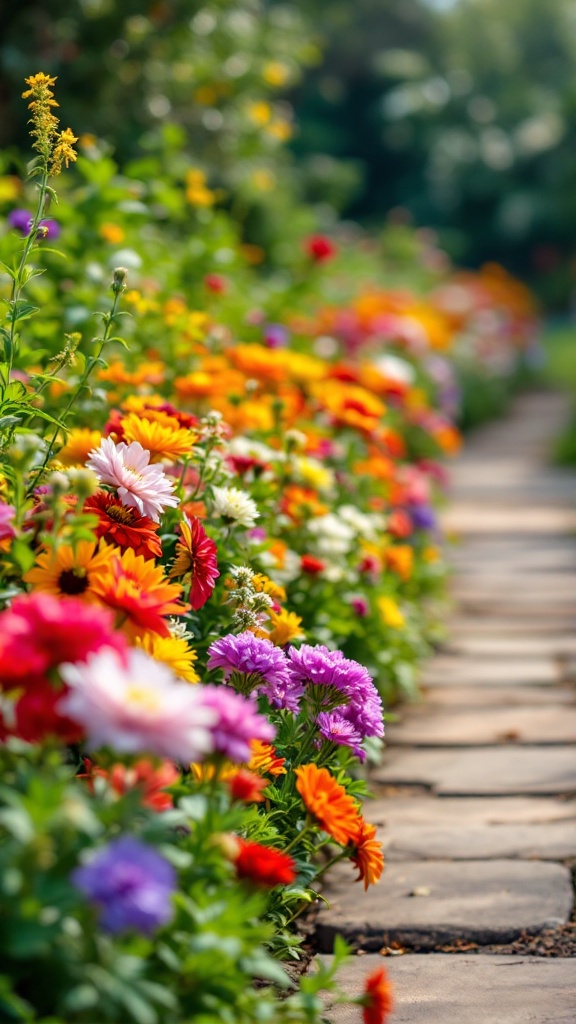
(120, 514)
(73, 581)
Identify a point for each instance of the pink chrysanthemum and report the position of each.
(136, 705)
(127, 467)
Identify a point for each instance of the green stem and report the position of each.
(17, 282)
(90, 364)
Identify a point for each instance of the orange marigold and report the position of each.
(335, 811)
(367, 856)
(141, 595)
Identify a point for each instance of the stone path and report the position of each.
(476, 798)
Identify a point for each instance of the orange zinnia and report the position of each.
(335, 811)
(265, 760)
(139, 591)
(367, 856)
(378, 997)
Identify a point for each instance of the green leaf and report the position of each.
(22, 555)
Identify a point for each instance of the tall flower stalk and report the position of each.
(55, 149)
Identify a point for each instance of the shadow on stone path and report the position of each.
(476, 798)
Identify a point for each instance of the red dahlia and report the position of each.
(123, 526)
(378, 996)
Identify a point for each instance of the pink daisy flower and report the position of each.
(136, 705)
(127, 467)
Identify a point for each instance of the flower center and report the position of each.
(120, 514)
(73, 581)
(142, 698)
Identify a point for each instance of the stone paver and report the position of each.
(439, 989)
(493, 771)
(502, 696)
(552, 724)
(476, 798)
(427, 903)
(471, 671)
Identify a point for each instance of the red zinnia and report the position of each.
(37, 715)
(123, 525)
(196, 556)
(320, 248)
(216, 283)
(247, 786)
(378, 996)
(263, 865)
(311, 565)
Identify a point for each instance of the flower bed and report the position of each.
(220, 555)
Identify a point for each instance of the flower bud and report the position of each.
(119, 279)
(83, 482)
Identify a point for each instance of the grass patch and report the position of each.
(559, 370)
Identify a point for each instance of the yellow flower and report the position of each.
(63, 153)
(197, 192)
(72, 571)
(390, 613)
(260, 113)
(164, 440)
(265, 760)
(79, 444)
(172, 651)
(286, 627)
(275, 73)
(10, 188)
(44, 123)
(400, 559)
(264, 585)
(281, 130)
(112, 233)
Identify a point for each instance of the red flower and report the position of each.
(39, 631)
(320, 248)
(37, 714)
(400, 523)
(216, 283)
(311, 565)
(263, 865)
(378, 997)
(246, 786)
(123, 525)
(196, 556)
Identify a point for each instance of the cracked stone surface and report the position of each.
(438, 988)
(427, 903)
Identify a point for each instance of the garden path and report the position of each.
(475, 801)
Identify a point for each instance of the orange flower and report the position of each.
(335, 811)
(139, 591)
(400, 559)
(246, 786)
(72, 571)
(301, 503)
(351, 405)
(166, 441)
(378, 997)
(367, 856)
(79, 444)
(264, 759)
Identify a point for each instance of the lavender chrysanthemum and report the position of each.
(258, 663)
(361, 704)
(130, 883)
(238, 722)
(334, 727)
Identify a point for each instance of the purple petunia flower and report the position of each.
(320, 667)
(423, 517)
(22, 221)
(258, 663)
(237, 724)
(130, 883)
(276, 336)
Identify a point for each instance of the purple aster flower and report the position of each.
(422, 517)
(130, 883)
(250, 661)
(22, 221)
(238, 722)
(276, 336)
(360, 702)
(334, 727)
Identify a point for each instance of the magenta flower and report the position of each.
(250, 661)
(237, 723)
(7, 513)
(126, 467)
(334, 727)
(339, 680)
(130, 883)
